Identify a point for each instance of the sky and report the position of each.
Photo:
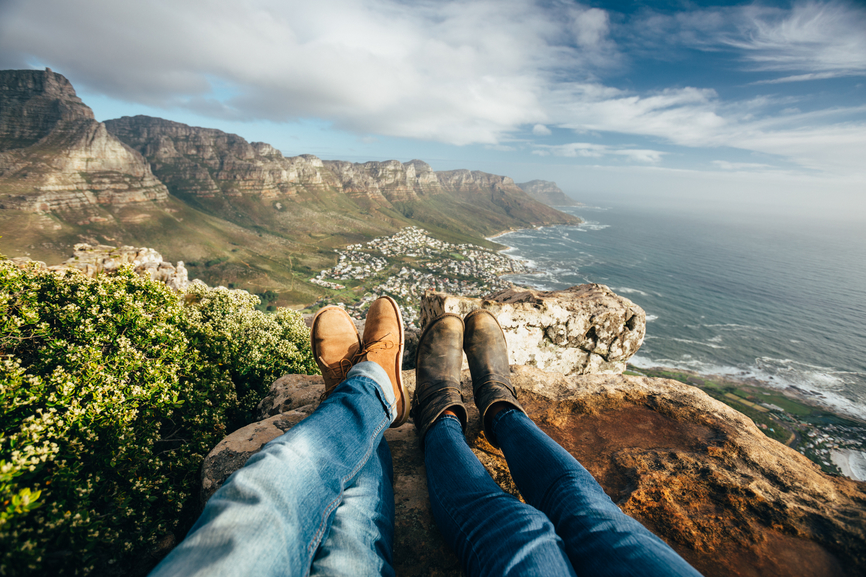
(716, 105)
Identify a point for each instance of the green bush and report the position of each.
(254, 347)
(112, 391)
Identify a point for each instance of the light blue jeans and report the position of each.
(316, 500)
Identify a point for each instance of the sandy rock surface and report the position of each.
(696, 472)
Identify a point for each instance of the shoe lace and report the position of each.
(375, 345)
(338, 372)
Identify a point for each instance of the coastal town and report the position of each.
(405, 265)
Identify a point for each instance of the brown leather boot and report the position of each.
(437, 373)
(487, 353)
(335, 342)
(383, 344)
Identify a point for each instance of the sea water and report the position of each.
(748, 297)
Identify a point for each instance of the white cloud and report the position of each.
(684, 116)
(458, 72)
(591, 150)
(541, 130)
(725, 165)
(817, 37)
(804, 77)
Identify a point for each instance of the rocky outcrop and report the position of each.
(583, 329)
(205, 162)
(491, 196)
(55, 156)
(547, 192)
(95, 260)
(696, 472)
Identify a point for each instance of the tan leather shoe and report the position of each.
(335, 343)
(383, 344)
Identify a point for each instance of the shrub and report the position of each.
(255, 347)
(112, 391)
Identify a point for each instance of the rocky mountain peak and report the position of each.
(54, 155)
(33, 103)
(547, 192)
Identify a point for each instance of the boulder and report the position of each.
(581, 330)
(697, 473)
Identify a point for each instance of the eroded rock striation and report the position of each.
(696, 472)
(209, 165)
(583, 329)
(547, 192)
(391, 180)
(55, 156)
(205, 162)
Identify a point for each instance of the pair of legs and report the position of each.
(568, 524)
(317, 500)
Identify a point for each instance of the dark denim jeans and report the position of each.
(567, 526)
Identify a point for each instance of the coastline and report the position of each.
(540, 226)
(851, 463)
(835, 442)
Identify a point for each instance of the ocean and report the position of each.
(747, 296)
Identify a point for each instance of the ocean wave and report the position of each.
(651, 318)
(711, 343)
(589, 225)
(629, 291)
(820, 384)
(728, 326)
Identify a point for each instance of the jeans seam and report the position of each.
(317, 537)
(380, 394)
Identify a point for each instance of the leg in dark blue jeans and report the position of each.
(599, 538)
(491, 531)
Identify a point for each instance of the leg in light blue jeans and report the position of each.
(512, 538)
(316, 499)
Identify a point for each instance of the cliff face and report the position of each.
(547, 192)
(499, 195)
(205, 162)
(391, 179)
(54, 155)
(210, 164)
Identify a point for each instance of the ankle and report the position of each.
(496, 409)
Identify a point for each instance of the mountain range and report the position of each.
(239, 213)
